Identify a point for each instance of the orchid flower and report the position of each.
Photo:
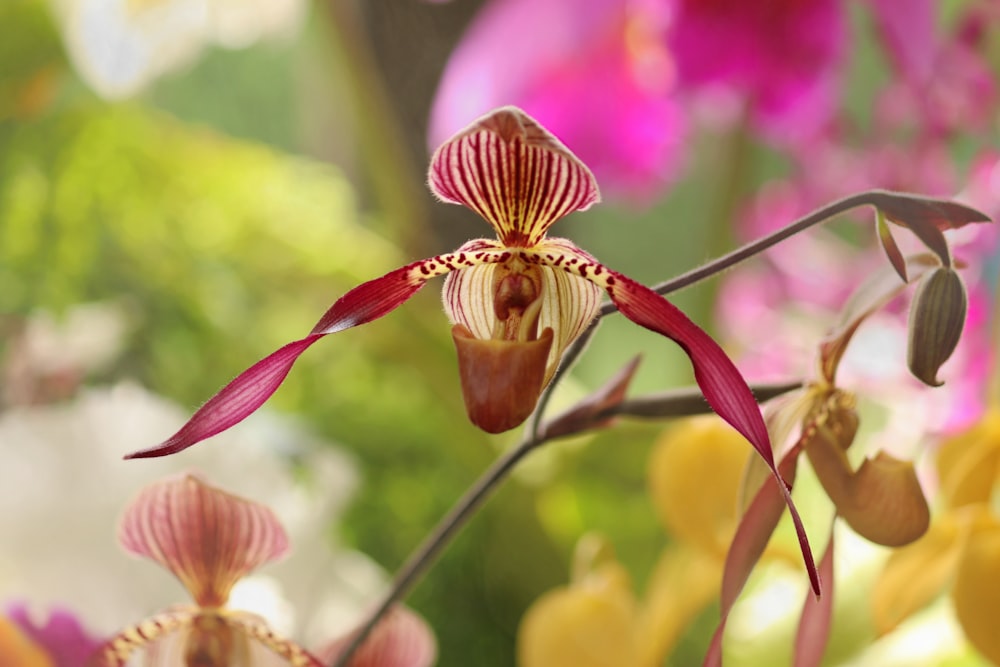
(209, 540)
(516, 302)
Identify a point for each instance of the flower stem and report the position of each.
(733, 258)
(676, 403)
(425, 556)
(719, 265)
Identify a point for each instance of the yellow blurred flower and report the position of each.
(694, 478)
(961, 551)
(17, 650)
(590, 623)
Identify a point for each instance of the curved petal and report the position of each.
(916, 574)
(192, 637)
(568, 307)
(588, 624)
(161, 636)
(366, 302)
(977, 591)
(969, 462)
(206, 537)
(719, 379)
(401, 639)
(514, 173)
(468, 300)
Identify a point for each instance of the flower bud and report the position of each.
(937, 316)
(501, 379)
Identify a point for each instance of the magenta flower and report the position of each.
(779, 58)
(516, 302)
(558, 57)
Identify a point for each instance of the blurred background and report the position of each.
(186, 185)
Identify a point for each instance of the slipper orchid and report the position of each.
(516, 302)
(209, 540)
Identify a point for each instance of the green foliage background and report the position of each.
(204, 209)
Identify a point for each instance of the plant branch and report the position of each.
(683, 402)
(425, 555)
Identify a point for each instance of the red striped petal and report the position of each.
(401, 639)
(366, 302)
(514, 173)
(207, 538)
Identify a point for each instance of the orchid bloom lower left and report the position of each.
(516, 302)
(208, 539)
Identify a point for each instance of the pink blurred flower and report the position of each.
(943, 84)
(776, 59)
(596, 73)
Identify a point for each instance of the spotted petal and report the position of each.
(514, 173)
(206, 537)
(366, 302)
(155, 636)
(189, 636)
